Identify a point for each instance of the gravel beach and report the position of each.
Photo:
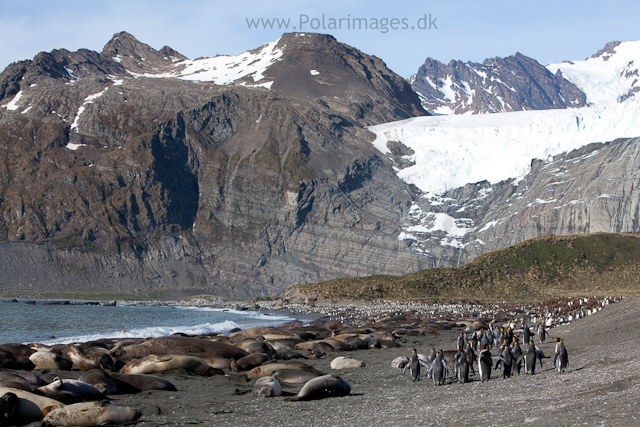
(602, 387)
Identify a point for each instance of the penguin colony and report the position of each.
(508, 357)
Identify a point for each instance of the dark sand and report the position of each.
(602, 387)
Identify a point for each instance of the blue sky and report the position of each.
(549, 31)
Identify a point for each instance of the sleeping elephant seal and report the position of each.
(179, 345)
(8, 404)
(92, 358)
(249, 362)
(91, 413)
(9, 379)
(293, 376)
(33, 379)
(268, 369)
(153, 364)
(71, 391)
(342, 362)
(100, 380)
(30, 407)
(20, 354)
(266, 387)
(321, 387)
(43, 359)
(135, 383)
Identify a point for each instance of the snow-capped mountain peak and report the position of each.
(610, 76)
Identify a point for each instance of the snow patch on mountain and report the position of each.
(88, 100)
(246, 69)
(13, 104)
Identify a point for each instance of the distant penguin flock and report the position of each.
(474, 348)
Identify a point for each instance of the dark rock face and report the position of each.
(514, 83)
(162, 187)
(317, 68)
(588, 190)
(139, 57)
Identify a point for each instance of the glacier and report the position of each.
(450, 151)
(454, 150)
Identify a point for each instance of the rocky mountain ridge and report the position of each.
(514, 83)
(117, 181)
(137, 172)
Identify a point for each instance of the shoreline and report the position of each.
(350, 310)
(382, 395)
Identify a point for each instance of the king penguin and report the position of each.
(413, 365)
(542, 333)
(438, 368)
(526, 335)
(471, 357)
(560, 358)
(463, 368)
(484, 364)
(517, 352)
(506, 359)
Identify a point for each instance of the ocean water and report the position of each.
(61, 324)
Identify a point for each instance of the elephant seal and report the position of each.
(43, 359)
(179, 345)
(322, 346)
(8, 404)
(30, 407)
(249, 362)
(8, 360)
(260, 347)
(71, 391)
(260, 331)
(91, 413)
(20, 354)
(342, 362)
(100, 380)
(95, 358)
(268, 369)
(399, 362)
(135, 383)
(153, 364)
(214, 361)
(293, 376)
(356, 343)
(266, 387)
(9, 379)
(33, 379)
(321, 387)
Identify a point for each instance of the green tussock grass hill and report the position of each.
(545, 267)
